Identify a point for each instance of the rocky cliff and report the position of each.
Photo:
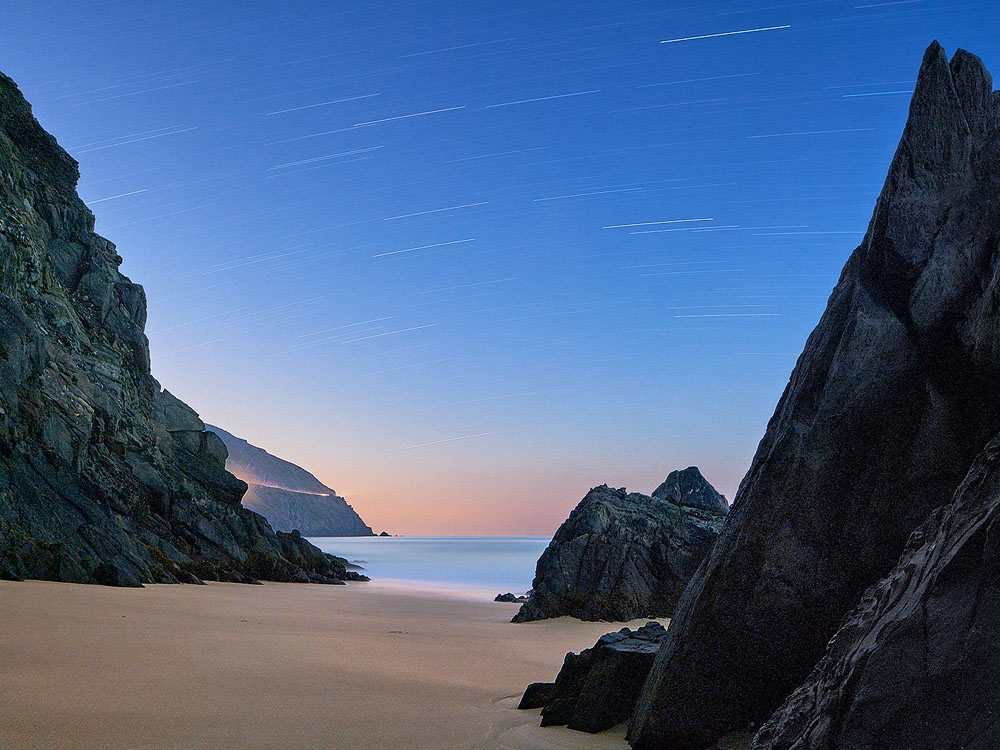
(620, 555)
(104, 477)
(915, 665)
(896, 392)
(288, 496)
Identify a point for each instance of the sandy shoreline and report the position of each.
(274, 666)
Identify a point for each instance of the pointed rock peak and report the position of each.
(937, 134)
(934, 68)
(974, 87)
(967, 67)
(933, 167)
(688, 488)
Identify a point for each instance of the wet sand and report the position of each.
(275, 666)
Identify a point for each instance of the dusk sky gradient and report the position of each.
(464, 261)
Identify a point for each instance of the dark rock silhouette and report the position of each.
(915, 665)
(288, 496)
(510, 598)
(620, 556)
(896, 392)
(104, 477)
(598, 688)
(689, 489)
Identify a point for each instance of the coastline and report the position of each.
(278, 666)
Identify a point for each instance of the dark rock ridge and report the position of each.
(288, 496)
(915, 665)
(510, 598)
(598, 688)
(896, 392)
(104, 477)
(620, 556)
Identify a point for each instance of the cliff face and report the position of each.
(620, 555)
(897, 391)
(104, 477)
(915, 665)
(288, 496)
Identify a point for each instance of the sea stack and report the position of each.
(104, 476)
(620, 556)
(896, 393)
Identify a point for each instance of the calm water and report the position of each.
(488, 564)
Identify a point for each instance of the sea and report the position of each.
(474, 567)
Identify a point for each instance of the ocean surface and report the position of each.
(463, 565)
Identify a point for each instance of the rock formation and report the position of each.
(104, 477)
(689, 489)
(897, 391)
(288, 496)
(510, 598)
(598, 688)
(620, 555)
(915, 665)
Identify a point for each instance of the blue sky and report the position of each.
(464, 261)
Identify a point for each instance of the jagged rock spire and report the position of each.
(897, 390)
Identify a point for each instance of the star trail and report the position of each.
(370, 232)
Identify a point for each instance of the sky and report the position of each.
(464, 260)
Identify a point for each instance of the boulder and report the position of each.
(538, 695)
(598, 688)
(620, 556)
(896, 392)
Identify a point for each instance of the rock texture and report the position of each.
(104, 477)
(598, 688)
(288, 496)
(620, 556)
(897, 391)
(915, 665)
(689, 489)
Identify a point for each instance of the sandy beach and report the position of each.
(275, 666)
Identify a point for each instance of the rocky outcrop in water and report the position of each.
(915, 665)
(897, 391)
(598, 688)
(104, 477)
(620, 556)
(510, 598)
(288, 496)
